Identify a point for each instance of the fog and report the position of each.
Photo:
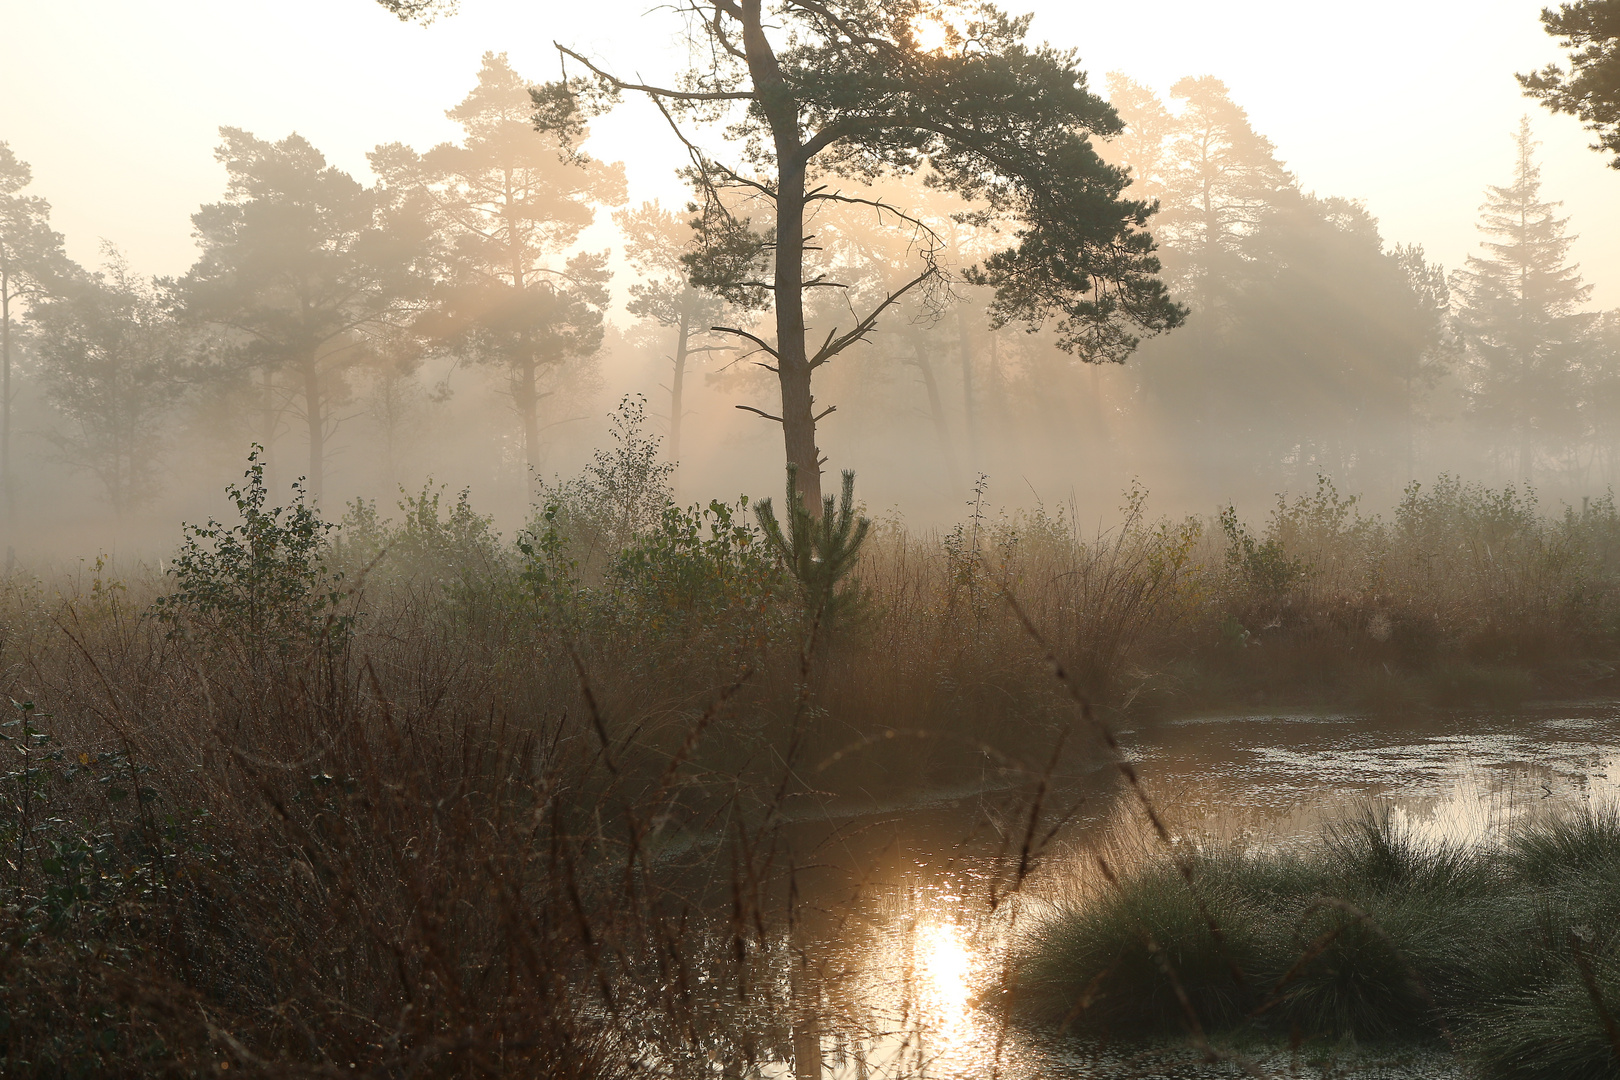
(1320, 239)
(807, 537)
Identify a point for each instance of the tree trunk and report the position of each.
(527, 397)
(5, 410)
(998, 381)
(317, 432)
(676, 386)
(936, 408)
(268, 435)
(969, 405)
(792, 365)
(1411, 431)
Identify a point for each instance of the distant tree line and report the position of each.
(1303, 342)
(309, 287)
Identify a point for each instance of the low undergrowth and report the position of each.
(399, 796)
(1508, 953)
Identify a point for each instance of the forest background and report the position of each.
(1317, 345)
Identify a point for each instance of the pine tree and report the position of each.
(31, 257)
(296, 265)
(1590, 88)
(505, 205)
(1520, 317)
(1222, 178)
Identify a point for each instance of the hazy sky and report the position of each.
(1406, 104)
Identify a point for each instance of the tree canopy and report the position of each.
(31, 256)
(503, 207)
(816, 90)
(112, 358)
(296, 263)
(1520, 314)
(1590, 87)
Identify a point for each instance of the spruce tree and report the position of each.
(1520, 318)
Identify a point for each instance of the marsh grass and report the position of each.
(407, 798)
(1504, 952)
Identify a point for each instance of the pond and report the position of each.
(906, 915)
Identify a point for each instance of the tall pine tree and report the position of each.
(505, 205)
(1521, 321)
(296, 265)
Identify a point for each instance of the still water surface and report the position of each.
(909, 940)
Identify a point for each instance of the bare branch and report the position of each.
(816, 419)
(864, 327)
(823, 195)
(718, 29)
(761, 342)
(703, 164)
(758, 412)
(656, 91)
(844, 27)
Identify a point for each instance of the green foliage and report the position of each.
(1373, 934)
(1102, 968)
(93, 851)
(1451, 510)
(818, 552)
(622, 493)
(549, 572)
(263, 584)
(1262, 565)
(1301, 536)
(608, 547)
(1590, 89)
(701, 568)
(446, 546)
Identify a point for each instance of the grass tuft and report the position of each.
(1510, 952)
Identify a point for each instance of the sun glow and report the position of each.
(945, 966)
(930, 34)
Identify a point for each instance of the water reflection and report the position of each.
(910, 962)
(945, 966)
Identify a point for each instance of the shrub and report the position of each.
(262, 584)
(701, 569)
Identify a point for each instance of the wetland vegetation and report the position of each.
(395, 791)
(539, 768)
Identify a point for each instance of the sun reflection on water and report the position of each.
(945, 970)
(922, 1000)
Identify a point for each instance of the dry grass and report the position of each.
(490, 812)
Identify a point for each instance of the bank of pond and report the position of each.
(1506, 952)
